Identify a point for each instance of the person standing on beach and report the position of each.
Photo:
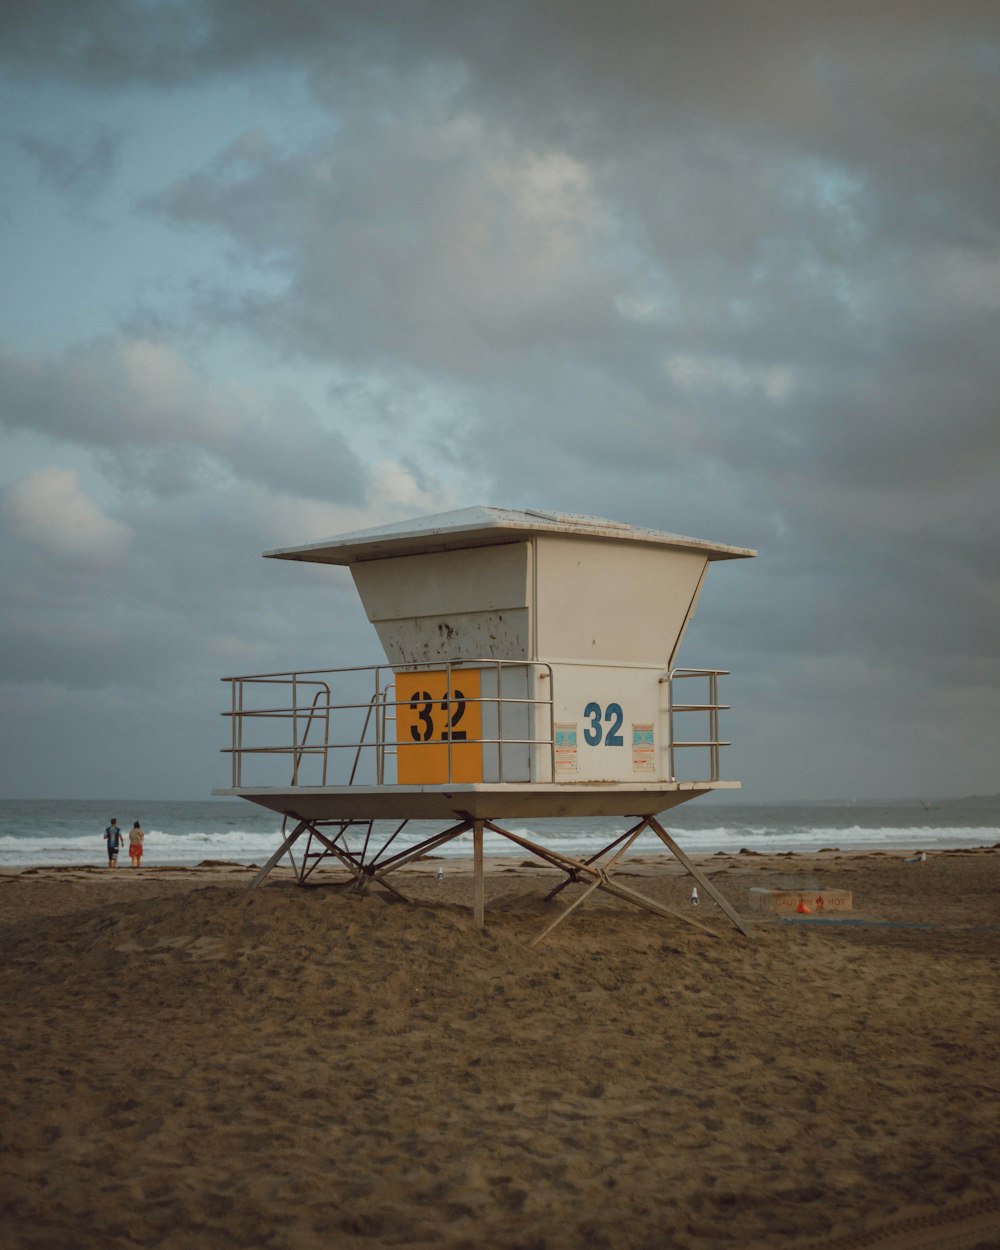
(113, 837)
(136, 837)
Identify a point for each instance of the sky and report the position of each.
(276, 271)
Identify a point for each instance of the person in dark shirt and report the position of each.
(113, 837)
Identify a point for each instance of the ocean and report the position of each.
(35, 832)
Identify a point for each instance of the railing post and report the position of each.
(387, 702)
(713, 722)
(326, 734)
(671, 766)
(499, 667)
(449, 690)
(378, 726)
(551, 722)
(233, 735)
(295, 731)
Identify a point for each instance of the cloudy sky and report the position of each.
(273, 271)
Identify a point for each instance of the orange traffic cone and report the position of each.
(804, 909)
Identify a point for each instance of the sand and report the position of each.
(187, 1065)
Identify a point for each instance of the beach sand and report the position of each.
(186, 1064)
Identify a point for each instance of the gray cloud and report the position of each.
(729, 270)
(139, 402)
(76, 164)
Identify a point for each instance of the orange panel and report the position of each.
(428, 717)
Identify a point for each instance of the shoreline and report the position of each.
(462, 862)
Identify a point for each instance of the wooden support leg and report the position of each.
(392, 890)
(699, 876)
(566, 862)
(601, 878)
(349, 861)
(582, 898)
(290, 841)
(404, 857)
(571, 873)
(640, 900)
(478, 893)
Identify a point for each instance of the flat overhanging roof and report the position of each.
(486, 527)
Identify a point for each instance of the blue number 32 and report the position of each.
(593, 733)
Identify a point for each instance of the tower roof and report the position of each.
(484, 527)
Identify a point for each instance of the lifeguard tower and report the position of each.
(530, 673)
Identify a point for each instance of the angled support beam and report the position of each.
(361, 886)
(600, 880)
(699, 876)
(404, 857)
(288, 843)
(640, 900)
(572, 875)
(355, 865)
(565, 862)
(349, 861)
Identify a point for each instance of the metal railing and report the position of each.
(712, 707)
(316, 731)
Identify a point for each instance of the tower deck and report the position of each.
(527, 800)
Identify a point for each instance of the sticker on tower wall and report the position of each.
(643, 749)
(565, 745)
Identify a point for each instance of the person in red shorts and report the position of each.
(136, 837)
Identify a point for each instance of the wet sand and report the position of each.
(187, 1065)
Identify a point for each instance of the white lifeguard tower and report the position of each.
(530, 673)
